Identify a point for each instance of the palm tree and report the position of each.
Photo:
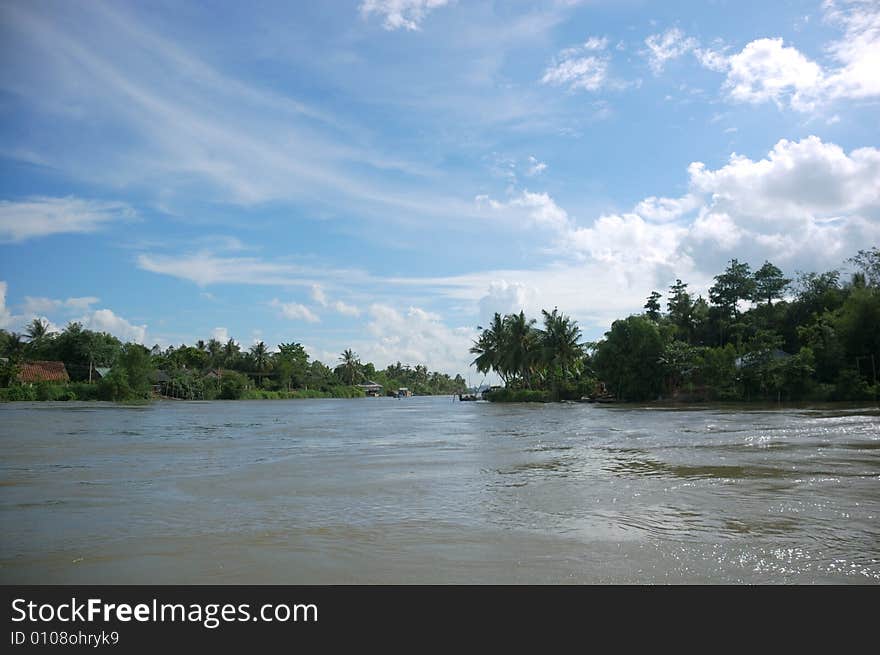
(215, 349)
(489, 348)
(38, 330)
(351, 366)
(260, 356)
(231, 351)
(561, 352)
(521, 353)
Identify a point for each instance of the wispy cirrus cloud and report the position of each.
(32, 218)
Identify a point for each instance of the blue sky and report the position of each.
(385, 174)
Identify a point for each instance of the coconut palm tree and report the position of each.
(521, 352)
(260, 357)
(489, 348)
(560, 347)
(351, 366)
(37, 330)
(215, 349)
(231, 351)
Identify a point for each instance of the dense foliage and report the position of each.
(760, 336)
(204, 371)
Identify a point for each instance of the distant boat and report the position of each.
(404, 392)
(467, 397)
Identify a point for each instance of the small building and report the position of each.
(370, 388)
(100, 372)
(404, 392)
(750, 359)
(160, 381)
(41, 371)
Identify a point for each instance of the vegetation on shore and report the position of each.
(205, 371)
(759, 336)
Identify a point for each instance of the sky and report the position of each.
(384, 175)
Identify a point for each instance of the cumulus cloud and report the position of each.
(667, 46)
(104, 320)
(221, 334)
(506, 297)
(43, 216)
(806, 205)
(416, 336)
(768, 70)
(401, 14)
(584, 67)
(532, 208)
(295, 311)
(666, 209)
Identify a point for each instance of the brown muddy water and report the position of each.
(426, 490)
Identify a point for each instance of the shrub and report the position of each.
(25, 393)
(232, 385)
(518, 396)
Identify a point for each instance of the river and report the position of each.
(427, 490)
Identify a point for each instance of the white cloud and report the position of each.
(405, 14)
(808, 205)
(346, 309)
(5, 314)
(416, 337)
(47, 305)
(768, 70)
(714, 60)
(667, 46)
(858, 52)
(535, 167)
(104, 320)
(295, 311)
(582, 67)
(205, 268)
(797, 180)
(587, 73)
(43, 216)
(538, 209)
(666, 209)
(221, 334)
(318, 295)
(506, 297)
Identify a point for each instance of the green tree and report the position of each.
(260, 359)
(733, 285)
(769, 284)
(489, 348)
(653, 306)
(680, 308)
(350, 366)
(628, 358)
(560, 348)
(868, 262)
(520, 353)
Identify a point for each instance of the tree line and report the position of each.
(206, 370)
(758, 336)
